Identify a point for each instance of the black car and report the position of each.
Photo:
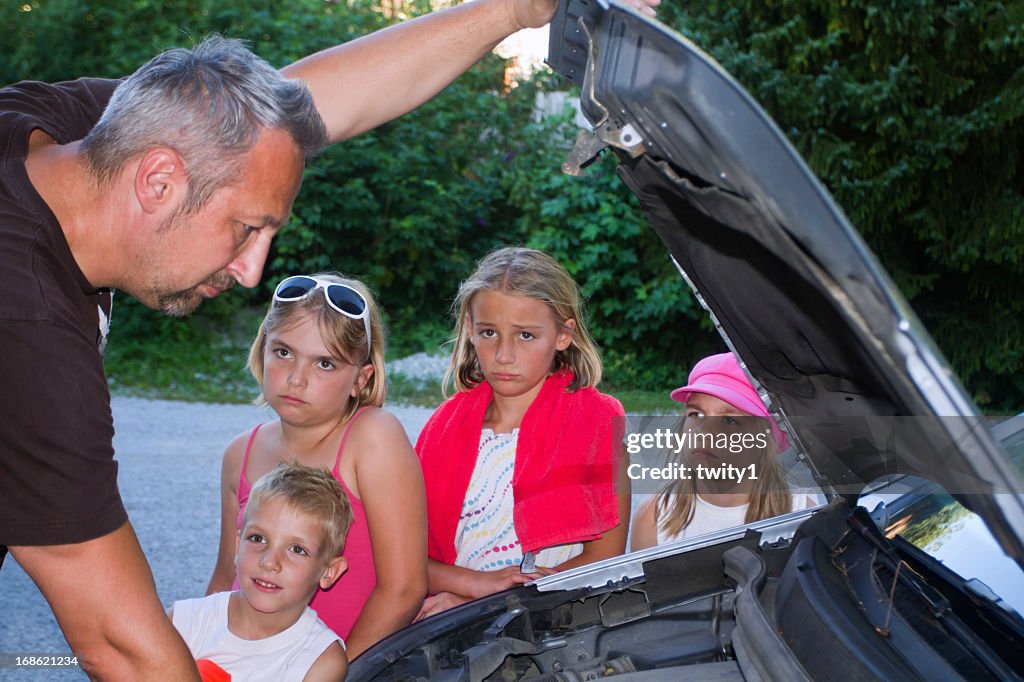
(913, 568)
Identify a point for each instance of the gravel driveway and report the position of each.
(169, 454)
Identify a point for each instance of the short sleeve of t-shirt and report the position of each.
(58, 478)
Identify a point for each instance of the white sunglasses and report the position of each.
(343, 298)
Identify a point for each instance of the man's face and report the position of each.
(192, 257)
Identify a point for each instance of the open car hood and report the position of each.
(843, 361)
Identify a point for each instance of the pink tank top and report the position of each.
(339, 606)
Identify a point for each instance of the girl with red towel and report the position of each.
(523, 465)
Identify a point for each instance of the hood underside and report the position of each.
(790, 284)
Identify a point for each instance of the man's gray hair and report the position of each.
(209, 104)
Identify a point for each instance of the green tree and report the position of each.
(409, 207)
(911, 112)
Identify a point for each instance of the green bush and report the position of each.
(910, 112)
(409, 207)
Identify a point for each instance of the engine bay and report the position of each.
(836, 597)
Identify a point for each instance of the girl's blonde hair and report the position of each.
(518, 271)
(344, 337)
(770, 497)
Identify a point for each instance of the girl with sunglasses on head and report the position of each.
(319, 359)
(721, 406)
(522, 469)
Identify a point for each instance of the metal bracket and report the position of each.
(590, 144)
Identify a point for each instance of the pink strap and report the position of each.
(344, 437)
(242, 478)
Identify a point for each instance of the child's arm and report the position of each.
(645, 530)
(332, 665)
(454, 585)
(390, 484)
(223, 577)
(612, 542)
(474, 584)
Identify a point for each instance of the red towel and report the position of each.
(211, 672)
(563, 481)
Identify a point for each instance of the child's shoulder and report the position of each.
(199, 609)
(378, 430)
(604, 403)
(331, 665)
(374, 417)
(241, 440)
(234, 452)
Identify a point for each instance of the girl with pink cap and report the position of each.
(722, 404)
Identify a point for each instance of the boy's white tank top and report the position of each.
(286, 656)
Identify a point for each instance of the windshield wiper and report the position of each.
(976, 617)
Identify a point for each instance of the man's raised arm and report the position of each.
(366, 82)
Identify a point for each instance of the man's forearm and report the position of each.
(103, 596)
(366, 82)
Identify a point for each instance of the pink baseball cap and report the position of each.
(722, 377)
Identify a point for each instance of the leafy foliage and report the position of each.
(409, 207)
(909, 111)
(912, 113)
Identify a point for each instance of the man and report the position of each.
(172, 196)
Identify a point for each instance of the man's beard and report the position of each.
(181, 303)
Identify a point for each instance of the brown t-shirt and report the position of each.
(58, 477)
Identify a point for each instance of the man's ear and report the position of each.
(160, 179)
(565, 335)
(333, 571)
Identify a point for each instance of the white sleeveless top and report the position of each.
(485, 539)
(708, 518)
(286, 656)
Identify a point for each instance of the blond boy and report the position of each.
(290, 544)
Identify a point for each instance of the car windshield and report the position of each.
(925, 515)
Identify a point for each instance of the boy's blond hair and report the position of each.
(312, 491)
